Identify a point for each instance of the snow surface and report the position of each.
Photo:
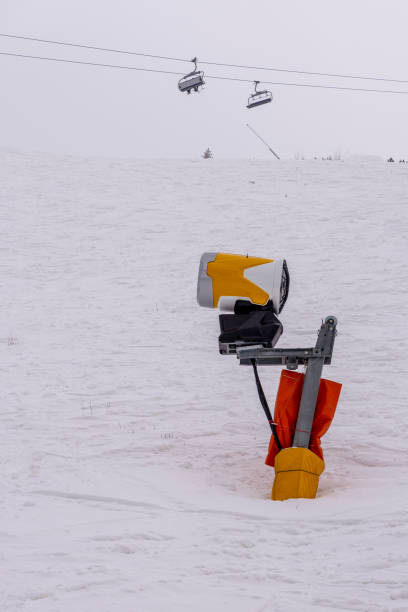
(132, 453)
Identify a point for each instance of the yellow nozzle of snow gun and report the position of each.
(224, 278)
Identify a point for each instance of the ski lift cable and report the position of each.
(205, 62)
(100, 65)
(312, 85)
(208, 76)
(93, 48)
(306, 72)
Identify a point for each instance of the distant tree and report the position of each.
(207, 154)
(390, 159)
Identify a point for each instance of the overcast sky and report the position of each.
(87, 110)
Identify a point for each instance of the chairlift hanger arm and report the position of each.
(194, 61)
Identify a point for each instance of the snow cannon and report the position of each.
(253, 291)
(253, 288)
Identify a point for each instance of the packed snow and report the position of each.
(132, 453)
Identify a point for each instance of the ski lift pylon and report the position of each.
(259, 97)
(193, 80)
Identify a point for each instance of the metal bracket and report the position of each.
(312, 358)
(293, 357)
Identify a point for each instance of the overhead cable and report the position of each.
(68, 61)
(83, 46)
(208, 76)
(307, 72)
(205, 62)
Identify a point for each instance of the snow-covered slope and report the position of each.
(131, 452)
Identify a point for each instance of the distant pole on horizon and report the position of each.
(265, 143)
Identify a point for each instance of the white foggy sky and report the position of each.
(83, 110)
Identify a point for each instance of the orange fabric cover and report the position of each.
(287, 407)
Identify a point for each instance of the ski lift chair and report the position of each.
(259, 97)
(193, 80)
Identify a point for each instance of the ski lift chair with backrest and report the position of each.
(193, 80)
(259, 97)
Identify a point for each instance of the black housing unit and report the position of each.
(250, 325)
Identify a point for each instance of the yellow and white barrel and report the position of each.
(224, 278)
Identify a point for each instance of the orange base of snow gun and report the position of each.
(297, 469)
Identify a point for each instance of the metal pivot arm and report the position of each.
(292, 357)
(313, 358)
(304, 423)
(308, 403)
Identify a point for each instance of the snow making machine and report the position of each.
(250, 292)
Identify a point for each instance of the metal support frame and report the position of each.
(312, 358)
